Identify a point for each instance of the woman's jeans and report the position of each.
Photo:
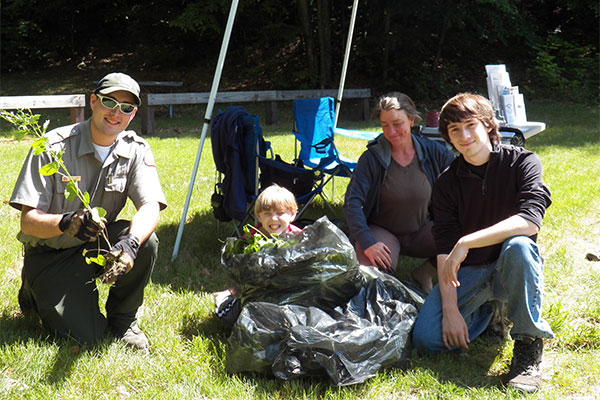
(515, 278)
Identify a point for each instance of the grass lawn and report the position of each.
(189, 343)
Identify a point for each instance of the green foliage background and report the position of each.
(429, 49)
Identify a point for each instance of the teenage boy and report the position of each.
(111, 164)
(487, 209)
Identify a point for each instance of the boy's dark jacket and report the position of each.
(463, 203)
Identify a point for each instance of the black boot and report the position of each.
(525, 371)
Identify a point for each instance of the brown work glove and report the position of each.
(120, 258)
(80, 224)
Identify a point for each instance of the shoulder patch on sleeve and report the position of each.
(135, 137)
(149, 159)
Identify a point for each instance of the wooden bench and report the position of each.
(168, 84)
(75, 102)
(160, 84)
(270, 97)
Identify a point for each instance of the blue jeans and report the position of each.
(515, 278)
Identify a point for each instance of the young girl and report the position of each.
(275, 209)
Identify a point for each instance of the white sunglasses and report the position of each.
(110, 103)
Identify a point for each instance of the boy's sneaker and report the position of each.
(525, 371)
(227, 307)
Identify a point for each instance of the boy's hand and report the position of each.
(450, 266)
(454, 330)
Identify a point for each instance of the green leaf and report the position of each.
(101, 212)
(86, 199)
(41, 142)
(39, 145)
(34, 118)
(19, 135)
(49, 169)
(71, 191)
(98, 213)
(252, 243)
(100, 260)
(8, 116)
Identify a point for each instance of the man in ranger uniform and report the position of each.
(111, 164)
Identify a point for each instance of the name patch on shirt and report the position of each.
(75, 178)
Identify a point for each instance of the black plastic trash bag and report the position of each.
(349, 344)
(310, 310)
(316, 267)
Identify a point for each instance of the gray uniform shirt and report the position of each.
(128, 171)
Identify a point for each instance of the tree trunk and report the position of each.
(449, 10)
(324, 16)
(307, 32)
(387, 39)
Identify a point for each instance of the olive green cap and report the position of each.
(119, 81)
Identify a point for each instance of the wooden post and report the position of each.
(77, 114)
(270, 112)
(147, 116)
(365, 109)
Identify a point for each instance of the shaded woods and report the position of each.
(430, 48)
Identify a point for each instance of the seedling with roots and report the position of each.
(27, 124)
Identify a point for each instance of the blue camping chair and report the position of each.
(313, 129)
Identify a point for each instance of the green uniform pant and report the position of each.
(60, 287)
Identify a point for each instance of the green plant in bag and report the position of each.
(253, 241)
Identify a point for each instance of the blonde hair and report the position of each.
(275, 198)
(396, 101)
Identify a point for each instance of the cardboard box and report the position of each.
(519, 104)
(497, 79)
(507, 102)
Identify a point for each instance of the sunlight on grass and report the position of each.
(190, 344)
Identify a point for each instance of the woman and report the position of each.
(387, 200)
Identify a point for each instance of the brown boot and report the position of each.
(525, 371)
